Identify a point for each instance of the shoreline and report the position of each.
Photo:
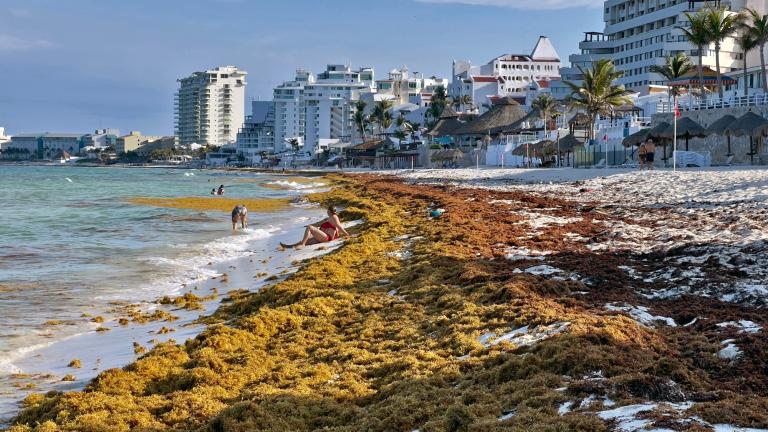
(42, 367)
(522, 306)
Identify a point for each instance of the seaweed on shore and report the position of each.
(409, 326)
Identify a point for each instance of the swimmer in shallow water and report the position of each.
(329, 230)
(220, 191)
(239, 214)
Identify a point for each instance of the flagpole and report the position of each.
(674, 137)
(605, 141)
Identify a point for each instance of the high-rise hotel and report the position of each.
(210, 106)
(641, 33)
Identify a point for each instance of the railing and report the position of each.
(686, 104)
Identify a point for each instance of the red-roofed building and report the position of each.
(513, 75)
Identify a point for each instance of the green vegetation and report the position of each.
(597, 94)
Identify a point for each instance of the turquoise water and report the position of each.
(71, 244)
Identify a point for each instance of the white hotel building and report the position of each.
(210, 106)
(507, 75)
(318, 108)
(641, 33)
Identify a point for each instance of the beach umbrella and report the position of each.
(636, 138)
(686, 128)
(568, 143)
(720, 127)
(751, 124)
(659, 133)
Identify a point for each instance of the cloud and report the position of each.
(13, 43)
(525, 4)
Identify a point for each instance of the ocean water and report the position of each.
(71, 243)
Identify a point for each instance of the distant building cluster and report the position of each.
(313, 112)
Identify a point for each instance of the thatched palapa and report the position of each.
(446, 124)
(505, 115)
(749, 124)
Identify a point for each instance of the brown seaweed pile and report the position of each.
(426, 324)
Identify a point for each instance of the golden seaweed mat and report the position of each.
(261, 205)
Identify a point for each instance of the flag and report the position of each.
(605, 137)
(677, 110)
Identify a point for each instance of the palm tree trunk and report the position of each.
(719, 78)
(746, 91)
(762, 66)
(701, 73)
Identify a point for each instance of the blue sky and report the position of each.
(77, 65)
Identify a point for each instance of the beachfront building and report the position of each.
(257, 136)
(132, 142)
(101, 138)
(509, 75)
(329, 104)
(210, 106)
(162, 143)
(402, 87)
(4, 140)
(290, 115)
(641, 33)
(46, 145)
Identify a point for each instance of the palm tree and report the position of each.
(400, 135)
(437, 103)
(674, 67)
(546, 105)
(758, 29)
(597, 95)
(385, 122)
(747, 43)
(295, 143)
(361, 118)
(380, 111)
(721, 25)
(698, 35)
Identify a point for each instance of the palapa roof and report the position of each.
(659, 130)
(569, 142)
(636, 138)
(449, 154)
(749, 124)
(686, 127)
(721, 125)
(447, 124)
(504, 115)
(535, 149)
(579, 119)
(692, 78)
(369, 145)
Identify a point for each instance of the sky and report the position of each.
(79, 65)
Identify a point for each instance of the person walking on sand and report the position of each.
(239, 214)
(650, 149)
(329, 230)
(641, 154)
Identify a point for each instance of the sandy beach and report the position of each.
(539, 300)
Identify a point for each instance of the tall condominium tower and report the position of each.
(639, 34)
(210, 106)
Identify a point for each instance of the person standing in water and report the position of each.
(328, 231)
(221, 190)
(239, 214)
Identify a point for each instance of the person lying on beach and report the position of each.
(329, 231)
(239, 214)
